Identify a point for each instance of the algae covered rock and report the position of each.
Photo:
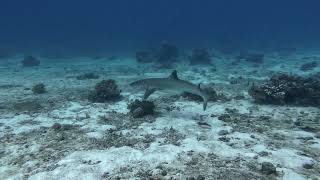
(106, 90)
(268, 168)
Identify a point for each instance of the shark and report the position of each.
(171, 83)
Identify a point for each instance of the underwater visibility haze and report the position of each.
(166, 89)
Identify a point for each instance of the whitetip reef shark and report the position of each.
(172, 83)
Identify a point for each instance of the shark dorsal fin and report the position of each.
(174, 75)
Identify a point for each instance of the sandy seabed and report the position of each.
(230, 140)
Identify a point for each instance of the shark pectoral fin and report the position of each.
(148, 93)
(205, 103)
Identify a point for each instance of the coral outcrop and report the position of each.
(144, 57)
(30, 61)
(200, 56)
(167, 53)
(288, 89)
(4, 53)
(308, 66)
(39, 88)
(106, 90)
(251, 57)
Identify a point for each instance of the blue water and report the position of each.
(126, 25)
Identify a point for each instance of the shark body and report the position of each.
(171, 83)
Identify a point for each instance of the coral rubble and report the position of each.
(139, 109)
